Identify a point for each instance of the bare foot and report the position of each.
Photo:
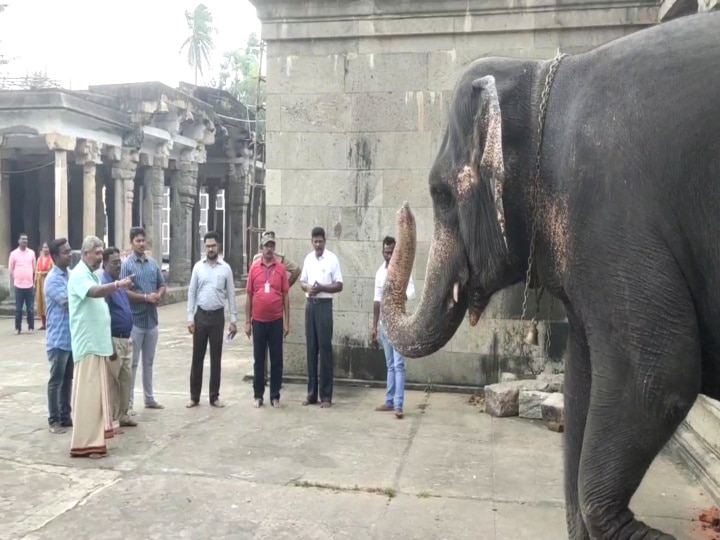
(257, 403)
(96, 456)
(56, 429)
(192, 403)
(275, 403)
(325, 405)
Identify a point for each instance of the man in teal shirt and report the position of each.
(92, 346)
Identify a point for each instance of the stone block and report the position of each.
(411, 185)
(314, 47)
(508, 377)
(530, 403)
(502, 399)
(406, 26)
(553, 408)
(396, 111)
(273, 187)
(358, 259)
(386, 72)
(306, 74)
(405, 44)
(319, 112)
(555, 380)
(296, 150)
(391, 150)
(357, 294)
(339, 188)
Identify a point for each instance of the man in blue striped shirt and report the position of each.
(147, 291)
(58, 345)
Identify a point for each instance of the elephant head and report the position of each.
(474, 251)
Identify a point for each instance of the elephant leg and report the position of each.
(577, 399)
(646, 366)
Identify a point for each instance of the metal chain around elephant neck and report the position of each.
(536, 183)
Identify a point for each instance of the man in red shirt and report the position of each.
(267, 318)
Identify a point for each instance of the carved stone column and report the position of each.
(100, 210)
(46, 203)
(87, 154)
(61, 144)
(5, 243)
(235, 219)
(124, 168)
(184, 188)
(212, 191)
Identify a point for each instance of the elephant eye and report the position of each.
(441, 195)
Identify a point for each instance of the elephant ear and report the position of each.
(489, 166)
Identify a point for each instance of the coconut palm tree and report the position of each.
(199, 43)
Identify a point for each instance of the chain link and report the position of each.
(536, 179)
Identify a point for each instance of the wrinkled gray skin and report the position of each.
(628, 224)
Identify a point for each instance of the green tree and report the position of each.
(239, 71)
(199, 43)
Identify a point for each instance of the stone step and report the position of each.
(697, 442)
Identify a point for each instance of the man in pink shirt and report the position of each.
(22, 274)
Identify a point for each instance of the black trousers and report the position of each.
(318, 336)
(209, 326)
(267, 337)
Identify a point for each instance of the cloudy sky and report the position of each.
(84, 42)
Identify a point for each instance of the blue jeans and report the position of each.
(27, 297)
(395, 373)
(60, 386)
(144, 343)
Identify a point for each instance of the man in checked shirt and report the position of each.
(146, 294)
(211, 283)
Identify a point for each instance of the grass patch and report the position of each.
(387, 492)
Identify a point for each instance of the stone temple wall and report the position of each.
(358, 94)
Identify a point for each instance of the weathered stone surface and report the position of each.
(501, 399)
(508, 377)
(555, 380)
(553, 408)
(530, 403)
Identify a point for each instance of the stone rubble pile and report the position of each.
(539, 398)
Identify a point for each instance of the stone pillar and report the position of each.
(124, 167)
(212, 211)
(118, 226)
(184, 191)
(87, 154)
(100, 210)
(61, 194)
(60, 144)
(5, 225)
(45, 204)
(235, 231)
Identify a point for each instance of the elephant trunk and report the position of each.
(441, 307)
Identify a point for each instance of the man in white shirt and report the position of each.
(393, 359)
(321, 278)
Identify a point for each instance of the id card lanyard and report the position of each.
(268, 274)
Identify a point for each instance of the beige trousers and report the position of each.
(120, 371)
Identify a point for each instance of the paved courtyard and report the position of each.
(444, 472)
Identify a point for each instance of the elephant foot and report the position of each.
(632, 529)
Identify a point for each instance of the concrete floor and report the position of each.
(446, 471)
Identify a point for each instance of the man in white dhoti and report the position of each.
(91, 346)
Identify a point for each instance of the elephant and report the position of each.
(596, 177)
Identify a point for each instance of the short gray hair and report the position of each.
(91, 243)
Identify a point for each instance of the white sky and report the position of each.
(86, 42)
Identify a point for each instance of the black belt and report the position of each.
(121, 336)
(212, 312)
(319, 300)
